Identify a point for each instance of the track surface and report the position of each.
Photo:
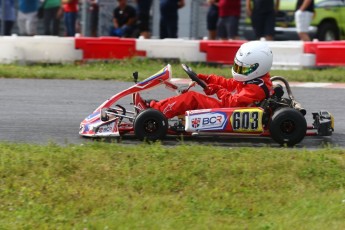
(43, 111)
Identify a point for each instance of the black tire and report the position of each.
(150, 125)
(328, 31)
(288, 126)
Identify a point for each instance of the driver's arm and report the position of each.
(246, 97)
(228, 84)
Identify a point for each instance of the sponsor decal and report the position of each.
(196, 122)
(106, 128)
(208, 121)
(215, 120)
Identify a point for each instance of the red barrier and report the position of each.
(222, 52)
(327, 53)
(330, 55)
(107, 47)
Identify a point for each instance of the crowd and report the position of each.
(133, 21)
(29, 12)
(223, 18)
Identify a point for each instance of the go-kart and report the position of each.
(280, 117)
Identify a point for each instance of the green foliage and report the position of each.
(150, 186)
(123, 69)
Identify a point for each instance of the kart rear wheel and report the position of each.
(150, 125)
(288, 126)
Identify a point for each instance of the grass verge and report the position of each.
(111, 186)
(122, 70)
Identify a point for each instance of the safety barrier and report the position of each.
(222, 52)
(287, 54)
(327, 53)
(44, 49)
(107, 47)
(290, 54)
(181, 49)
(50, 49)
(8, 52)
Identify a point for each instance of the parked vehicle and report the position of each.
(328, 23)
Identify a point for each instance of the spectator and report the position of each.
(27, 17)
(144, 7)
(9, 16)
(229, 16)
(303, 17)
(70, 10)
(212, 19)
(51, 17)
(168, 27)
(94, 10)
(123, 20)
(262, 15)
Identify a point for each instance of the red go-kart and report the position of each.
(280, 117)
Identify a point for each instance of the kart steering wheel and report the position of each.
(193, 76)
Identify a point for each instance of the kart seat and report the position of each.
(278, 91)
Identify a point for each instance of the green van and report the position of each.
(328, 23)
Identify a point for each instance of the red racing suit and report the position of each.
(230, 93)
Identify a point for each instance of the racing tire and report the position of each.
(150, 125)
(288, 126)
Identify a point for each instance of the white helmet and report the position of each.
(253, 59)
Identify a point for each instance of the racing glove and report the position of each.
(212, 89)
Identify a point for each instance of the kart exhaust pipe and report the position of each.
(295, 104)
(299, 107)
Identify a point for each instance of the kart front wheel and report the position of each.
(288, 126)
(150, 125)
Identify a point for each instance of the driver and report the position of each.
(250, 84)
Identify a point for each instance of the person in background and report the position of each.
(94, 11)
(303, 17)
(262, 15)
(51, 17)
(143, 8)
(123, 20)
(168, 25)
(212, 19)
(229, 17)
(27, 17)
(9, 16)
(70, 10)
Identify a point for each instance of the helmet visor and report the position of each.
(244, 69)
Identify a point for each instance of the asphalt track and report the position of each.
(44, 111)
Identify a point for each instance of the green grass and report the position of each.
(112, 186)
(122, 70)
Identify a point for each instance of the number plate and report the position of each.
(247, 120)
